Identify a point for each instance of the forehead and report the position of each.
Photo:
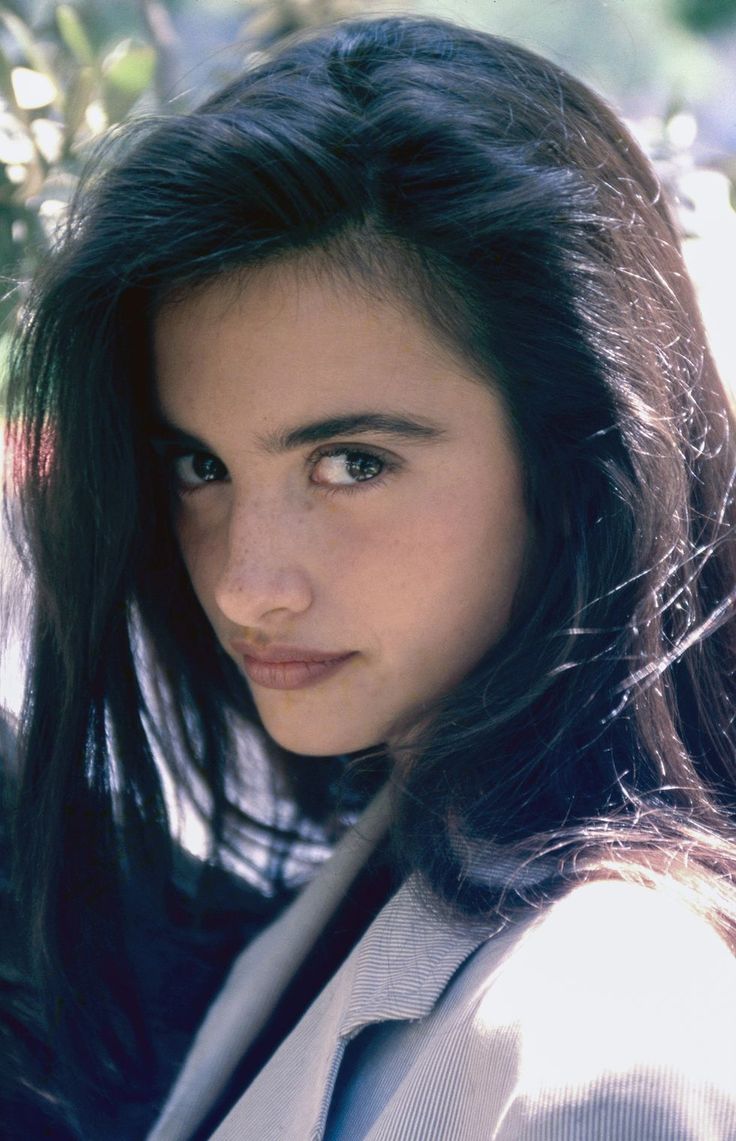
(281, 343)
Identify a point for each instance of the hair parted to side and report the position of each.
(507, 204)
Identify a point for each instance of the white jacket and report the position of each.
(609, 1016)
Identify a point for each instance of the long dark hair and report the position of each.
(512, 209)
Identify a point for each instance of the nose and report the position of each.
(264, 574)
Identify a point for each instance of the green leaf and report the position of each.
(74, 36)
(127, 71)
(130, 67)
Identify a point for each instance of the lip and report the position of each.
(288, 667)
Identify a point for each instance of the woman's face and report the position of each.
(349, 505)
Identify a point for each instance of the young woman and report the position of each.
(364, 421)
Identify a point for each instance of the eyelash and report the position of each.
(172, 455)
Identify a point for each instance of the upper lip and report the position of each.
(276, 654)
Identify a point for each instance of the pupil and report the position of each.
(206, 467)
(362, 467)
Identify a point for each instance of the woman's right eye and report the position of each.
(194, 469)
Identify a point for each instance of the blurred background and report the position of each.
(69, 72)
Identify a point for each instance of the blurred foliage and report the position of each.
(70, 72)
(61, 86)
(707, 15)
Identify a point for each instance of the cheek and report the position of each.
(467, 588)
(202, 557)
(446, 578)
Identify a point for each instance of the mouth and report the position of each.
(288, 667)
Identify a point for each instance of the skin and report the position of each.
(412, 569)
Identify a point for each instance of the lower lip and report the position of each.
(291, 675)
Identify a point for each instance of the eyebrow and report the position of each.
(164, 435)
(398, 426)
(355, 424)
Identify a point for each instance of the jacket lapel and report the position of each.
(397, 972)
(260, 975)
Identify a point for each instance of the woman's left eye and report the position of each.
(346, 467)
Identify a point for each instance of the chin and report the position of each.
(320, 743)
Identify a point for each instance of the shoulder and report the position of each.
(635, 941)
(612, 931)
(620, 1002)
(609, 1014)
(620, 953)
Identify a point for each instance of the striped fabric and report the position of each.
(610, 1016)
